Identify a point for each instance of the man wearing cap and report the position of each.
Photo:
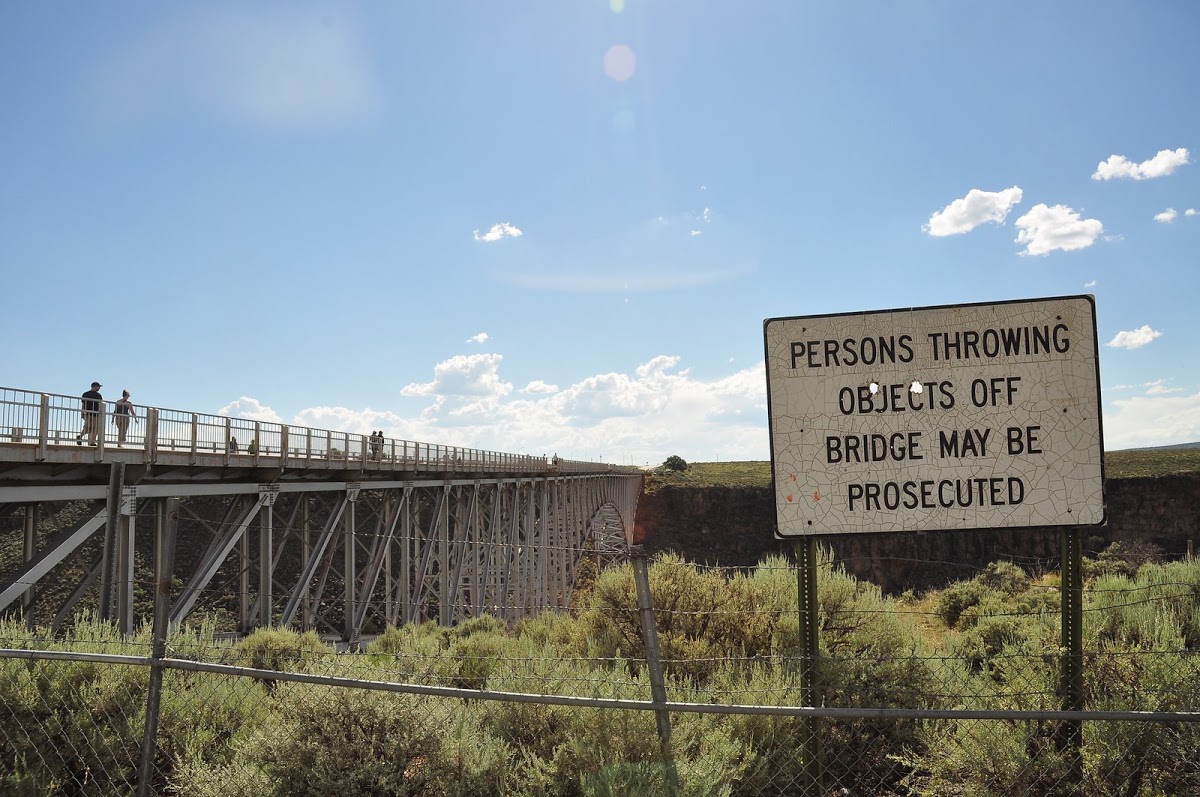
(92, 404)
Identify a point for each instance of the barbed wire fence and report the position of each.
(670, 678)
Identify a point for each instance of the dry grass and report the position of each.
(1118, 465)
(715, 474)
(1151, 462)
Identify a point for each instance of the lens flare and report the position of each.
(620, 63)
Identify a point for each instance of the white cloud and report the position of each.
(480, 338)
(706, 215)
(657, 410)
(639, 417)
(1156, 388)
(694, 233)
(1045, 229)
(463, 375)
(250, 409)
(1159, 388)
(344, 419)
(1190, 212)
(498, 231)
(1135, 338)
(537, 387)
(1152, 420)
(976, 208)
(273, 67)
(1167, 216)
(1161, 165)
(1090, 284)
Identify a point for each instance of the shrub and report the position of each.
(329, 741)
(957, 598)
(71, 727)
(1005, 577)
(280, 649)
(1124, 558)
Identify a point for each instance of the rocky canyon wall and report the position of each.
(733, 526)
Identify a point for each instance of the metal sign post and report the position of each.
(806, 577)
(1070, 733)
(952, 418)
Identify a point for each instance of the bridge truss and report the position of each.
(283, 525)
(343, 558)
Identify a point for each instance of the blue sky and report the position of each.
(555, 226)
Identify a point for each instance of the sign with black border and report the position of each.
(952, 417)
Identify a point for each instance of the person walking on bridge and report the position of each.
(92, 404)
(122, 412)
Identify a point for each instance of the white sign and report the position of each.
(936, 418)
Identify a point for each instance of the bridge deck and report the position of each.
(43, 442)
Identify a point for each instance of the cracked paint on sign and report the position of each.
(939, 418)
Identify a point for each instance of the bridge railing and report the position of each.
(48, 420)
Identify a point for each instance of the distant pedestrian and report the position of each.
(123, 411)
(252, 449)
(233, 446)
(91, 407)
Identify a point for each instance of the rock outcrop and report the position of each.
(734, 526)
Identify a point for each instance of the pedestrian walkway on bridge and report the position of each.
(45, 428)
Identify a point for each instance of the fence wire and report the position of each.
(957, 692)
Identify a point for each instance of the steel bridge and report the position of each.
(282, 525)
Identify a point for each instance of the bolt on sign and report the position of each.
(936, 418)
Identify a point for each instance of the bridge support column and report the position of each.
(389, 600)
(306, 618)
(30, 549)
(349, 567)
(266, 547)
(553, 537)
(443, 539)
(529, 579)
(126, 533)
(116, 482)
(245, 622)
(404, 588)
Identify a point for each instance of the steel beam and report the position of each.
(350, 547)
(266, 570)
(126, 537)
(30, 548)
(229, 537)
(316, 554)
(89, 578)
(388, 522)
(445, 549)
(56, 550)
(116, 482)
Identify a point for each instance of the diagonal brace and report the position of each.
(56, 550)
(208, 568)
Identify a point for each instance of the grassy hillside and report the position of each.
(1118, 465)
(1151, 462)
(714, 474)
